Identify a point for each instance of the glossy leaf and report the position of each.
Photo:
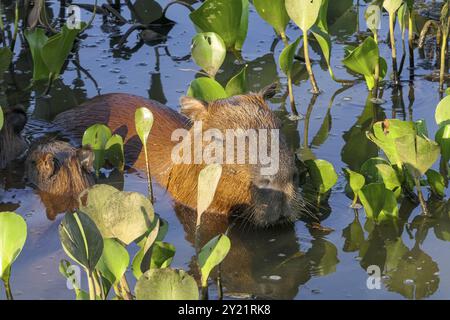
(122, 215)
(389, 178)
(206, 89)
(303, 12)
(322, 174)
(286, 59)
(166, 284)
(81, 239)
(379, 203)
(115, 151)
(143, 118)
(392, 6)
(355, 180)
(114, 261)
(274, 12)
(370, 171)
(13, 234)
(162, 254)
(36, 40)
(238, 84)
(436, 182)
(443, 139)
(442, 114)
(208, 180)
(212, 254)
(97, 136)
(208, 51)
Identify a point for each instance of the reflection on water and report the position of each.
(149, 56)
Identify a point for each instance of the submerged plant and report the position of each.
(13, 234)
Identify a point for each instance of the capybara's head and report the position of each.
(58, 168)
(259, 174)
(12, 143)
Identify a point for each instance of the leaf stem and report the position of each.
(443, 58)
(125, 289)
(290, 89)
(393, 48)
(421, 198)
(308, 63)
(8, 292)
(149, 175)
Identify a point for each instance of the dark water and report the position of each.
(287, 262)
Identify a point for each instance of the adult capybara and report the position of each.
(243, 189)
(12, 143)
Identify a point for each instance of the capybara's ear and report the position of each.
(269, 91)
(16, 118)
(86, 157)
(49, 160)
(192, 108)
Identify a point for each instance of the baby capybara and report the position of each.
(56, 167)
(12, 143)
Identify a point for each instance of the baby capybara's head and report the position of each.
(58, 168)
(262, 180)
(12, 143)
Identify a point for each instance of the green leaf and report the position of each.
(69, 274)
(355, 180)
(115, 152)
(421, 128)
(370, 171)
(392, 6)
(303, 12)
(212, 254)
(162, 254)
(81, 239)
(97, 136)
(36, 40)
(208, 180)
(389, 178)
(436, 181)
(143, 119)
(286, 59)
(208, 51)
(322, 174)
(385, 133)
(443, 139)
(243, 28)
(122, 215)
(166, 284)
(418, 153)
(114, 261)
(238, 84)
(5, 59)
(13, 234)
(274, 12)
(442, 113)
(227, 24)
(2, 118)
(353, 235)
(379, 203)
(142, 260)
(206, 89)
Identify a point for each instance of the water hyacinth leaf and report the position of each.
(144, 122)
(392, 6)
(36, 40)
(286, 59)
(274, 12)
(208, 51)
(114, 261)
(122, 215)
(57, 48)
(389, 178)
(324, 41)
(390, 207)
(97, 136)
(370, 171)
(442, 114)
(212, 254)
(5, 59)
(2, 118)
(303, 12)
(355, 180)
(243, 28)
(206, 89)
(227, 24)
(322, 174)
(67, 270)
(418, 153)
(142, 260)
(372, 198)
(13, 234)
(81, 239)
(166, 284)
(238, 84)
(115, 151)
(162, 254)
(208, 180)
(386, 132)
(421, 128)
(443, 139)
(436, 182)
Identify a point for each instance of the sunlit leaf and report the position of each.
(114, 261)
(238, 84)
(143, 118)
(442, 113)
(392, 6)
(115, 152)
(97, 136)
(355, 180)
(166, 284)
(286, 59)
(443, 139)
(208, 180)
(212, 254)
(274, 12)
(206, 89)
(303, 12)
(322, 174)
(13, 233)
(208, 51)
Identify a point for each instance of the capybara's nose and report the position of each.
(264, 182)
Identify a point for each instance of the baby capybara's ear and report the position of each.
(49, 161)
(192, 108)
(16, 118)
(86, 157)
(269, 92)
